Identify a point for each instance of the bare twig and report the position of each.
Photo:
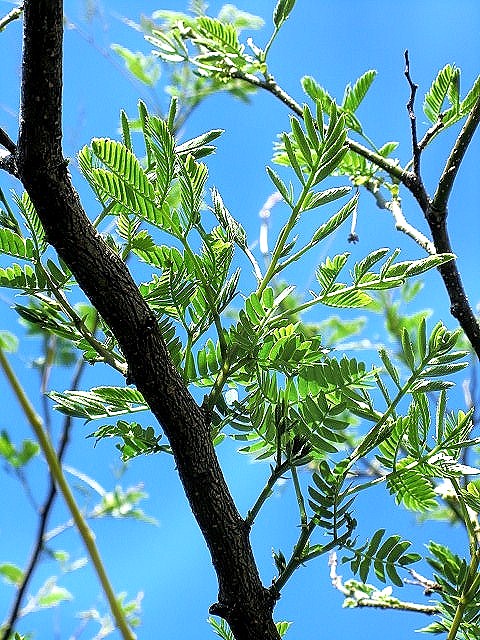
(431, 133)
(358, 598)
(12, 15)
(401, 223)
(411, 114)
(7, 142)
(436, 216)
(429, 586)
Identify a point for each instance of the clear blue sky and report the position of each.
(335, 41)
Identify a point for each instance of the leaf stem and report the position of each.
(108, 357)
(299, 495)
(266, 492)
(208, 294)
(274, 267)
(57, 473)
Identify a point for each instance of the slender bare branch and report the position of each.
(12, 15)
(7, 142)
(401, 223)
(358, 598)
(436, 216)
(413, 120)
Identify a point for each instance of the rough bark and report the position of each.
(242, 600)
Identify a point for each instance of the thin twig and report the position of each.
(358, 598)
(7, 142)
(413, 120)
(436, 216)
(429, 586)
(12, 15)
(431, 133)
(401, 223)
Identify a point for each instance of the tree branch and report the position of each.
(413, 120)
(445, 184)
(401, 223)
(359, 598)
(12, 15)
(243, 601)
(436, 216)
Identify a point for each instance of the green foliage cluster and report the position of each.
(270, 381)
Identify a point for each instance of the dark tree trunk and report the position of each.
(242, 600)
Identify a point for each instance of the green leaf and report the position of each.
(240, 19)
(301, 140)
(417, 267)
(14, 245)
(314, 200)
(32, 221)
(293, 158)
(8, 341)
(412, 489)
(53, 596)
(471, 97)
(99, 402)
(224, 35)
(439, 92)
(200, 146)
(11, 573)
(364, 566)
(336, 220)
(311, 127)
(17, 458)
(281, 12)
(318, 94)
(355, 95)
(277, 181)
(390, 367)
(193, 176)
(137, 440)
(124, 180)
(143, 68)
(127, 139)
(385, 558)
(347, 298)
(408, 350)
(361, 268)
(235, 232)
(23, 278)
